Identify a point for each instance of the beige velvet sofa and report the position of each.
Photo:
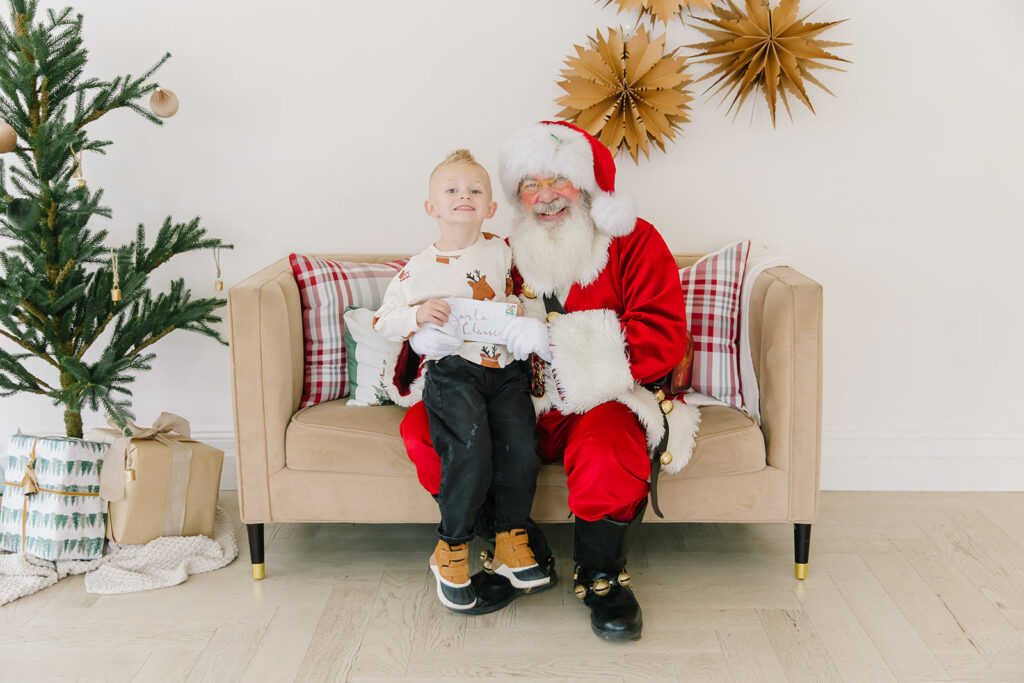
(336, 463)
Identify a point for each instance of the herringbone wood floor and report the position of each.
(902, 586)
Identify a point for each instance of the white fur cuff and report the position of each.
(683, 422)
(590, 364)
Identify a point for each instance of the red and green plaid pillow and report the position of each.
(712, 289)
(326, 288)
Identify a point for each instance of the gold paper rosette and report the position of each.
(660, 10)
(627, 93)
(765, 49)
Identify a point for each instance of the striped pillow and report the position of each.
(326, 288)
(712, 290)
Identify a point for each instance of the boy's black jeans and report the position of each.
(483, 427)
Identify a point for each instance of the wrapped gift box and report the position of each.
(170, 482)
(51, 504)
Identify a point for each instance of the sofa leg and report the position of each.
(802, 546)
(256, 550)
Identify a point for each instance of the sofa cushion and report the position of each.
(334, 437)
(366, 353)
(712, 289)
(326, 288)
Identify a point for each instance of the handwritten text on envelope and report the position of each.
(482, 321)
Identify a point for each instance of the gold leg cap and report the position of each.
(258, 571)
(801, 570)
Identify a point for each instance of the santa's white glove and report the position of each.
(524, 336)
(431, 340)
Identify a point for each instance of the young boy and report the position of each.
(482, 420)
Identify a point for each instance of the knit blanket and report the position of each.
(162, 562)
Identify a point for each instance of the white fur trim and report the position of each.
(415, 389)
(683, 422)
(613, 214)
(547, 149)
(647, 411)
(590, 365)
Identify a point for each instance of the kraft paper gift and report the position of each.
(159, 482)
(51, 504)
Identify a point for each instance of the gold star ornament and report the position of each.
(626, 92)
(765, 49)
(660, 10)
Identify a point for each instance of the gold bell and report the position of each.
(487, 560)
(552, 316)
(602, 587)
(219, 285)
(115, 294)
(624, 578)
(659, 395)
(667, 406)
(580, 590)
(666, 458)
(528, 292)
(129, 475)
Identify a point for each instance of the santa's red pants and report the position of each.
(604, 452)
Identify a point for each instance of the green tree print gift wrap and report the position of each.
(51, 505)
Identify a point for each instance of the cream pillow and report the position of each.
(367, 351)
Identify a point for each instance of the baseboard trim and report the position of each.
(922, 461)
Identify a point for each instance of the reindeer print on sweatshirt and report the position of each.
(467, 273)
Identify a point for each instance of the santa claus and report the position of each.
(605, 327)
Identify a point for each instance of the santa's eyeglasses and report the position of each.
(532, 186)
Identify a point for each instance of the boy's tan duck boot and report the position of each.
(514, 560)
(450, 564)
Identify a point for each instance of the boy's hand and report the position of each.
(433, 311)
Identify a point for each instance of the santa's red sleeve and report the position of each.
(601, 354)
(654, 319)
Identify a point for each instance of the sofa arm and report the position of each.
(266, 374)
(785, 339)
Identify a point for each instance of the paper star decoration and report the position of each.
(627, 93)
(765, 49)
(660, 10)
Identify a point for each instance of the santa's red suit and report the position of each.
(624, 329)
(623, 326)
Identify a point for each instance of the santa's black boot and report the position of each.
(601, 580)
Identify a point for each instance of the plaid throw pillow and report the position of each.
(712, 290)
(326, 288)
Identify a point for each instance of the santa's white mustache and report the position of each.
(552, 207)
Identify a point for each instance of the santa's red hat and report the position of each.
(552, 148)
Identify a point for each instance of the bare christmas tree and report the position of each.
(58, 295)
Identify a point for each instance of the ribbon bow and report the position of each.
(168, 428)
(29, 483)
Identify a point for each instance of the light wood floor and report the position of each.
(902, 586)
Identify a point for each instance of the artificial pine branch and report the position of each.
(56, 277)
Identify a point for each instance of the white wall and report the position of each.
(314, 128)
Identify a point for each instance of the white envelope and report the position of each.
(482, 321)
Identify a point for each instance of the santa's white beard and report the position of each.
(551, 259)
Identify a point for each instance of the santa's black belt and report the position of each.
(553, 305)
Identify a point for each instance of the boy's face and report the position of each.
(460, 194)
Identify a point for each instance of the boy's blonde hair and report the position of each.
(460, 156)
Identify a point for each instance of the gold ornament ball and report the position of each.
(164, 103)
(8, 138)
